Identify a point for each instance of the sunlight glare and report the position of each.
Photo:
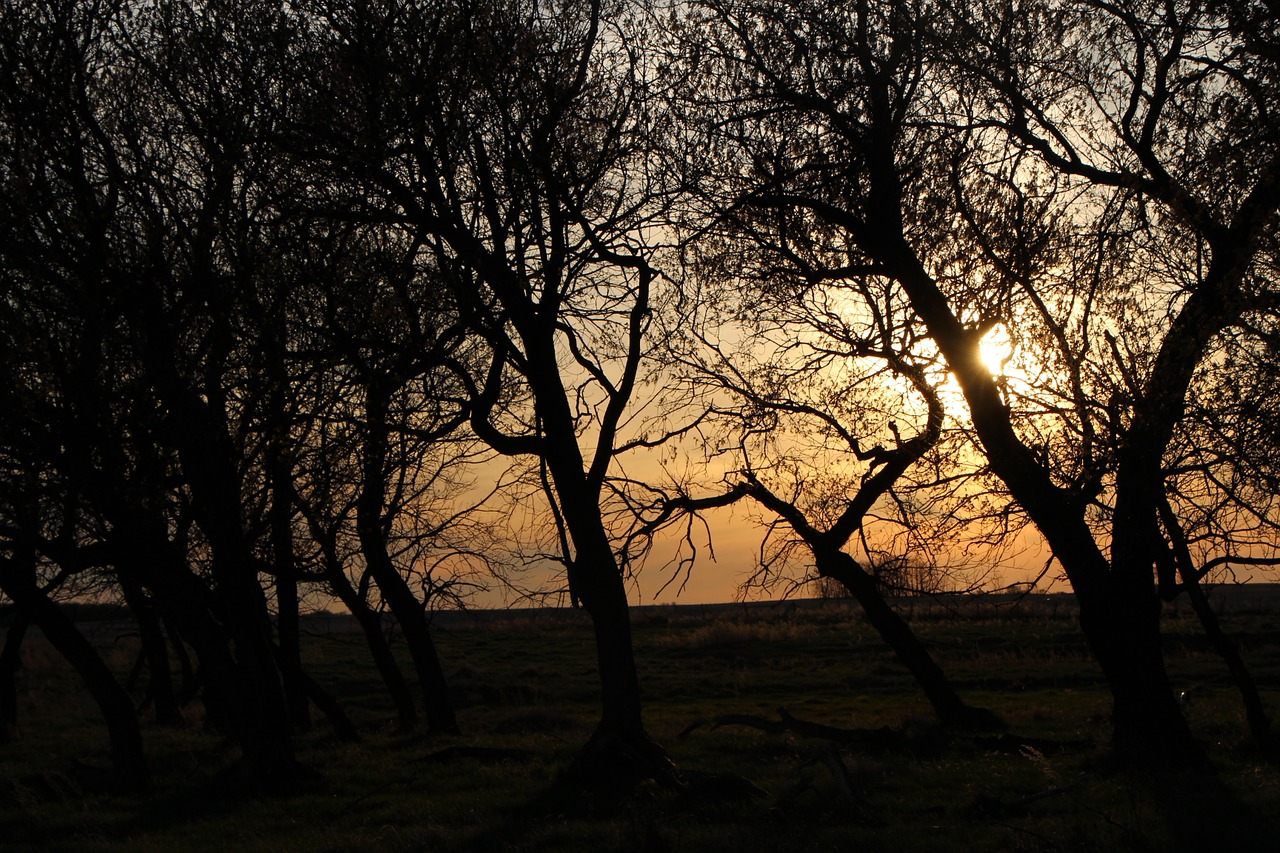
(997, 349)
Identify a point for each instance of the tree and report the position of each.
(835, 469)
(134, 242)
(385, 332)
(851, 118)
(1185, 149)
(823, 403)
(511, 143)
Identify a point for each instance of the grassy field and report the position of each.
(525, 689)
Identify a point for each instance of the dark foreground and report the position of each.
(730, 691)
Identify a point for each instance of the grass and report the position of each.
(527, 685)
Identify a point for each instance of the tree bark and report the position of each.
(1122, 628)
(280, 522)
(1255, 712)
(598, 585)
(328, 705)
(411, 615)
(263, 727)
(229, 631)
(190, 684)
(620, 752)
(288, 629)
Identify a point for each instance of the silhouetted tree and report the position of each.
(819, 404)
(850, 119)
(511, 142)
(128, 251)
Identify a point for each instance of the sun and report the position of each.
(997, 349)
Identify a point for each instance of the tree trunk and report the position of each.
(328, 705)
(947, 704)
(600, 589)
(1121, 623)
(1255, 712)
(262, 722)
(332, 710)
(411, 616)
(229, 632)
(10, 663)
(266, 730)
(620, 752)
(371, 624)
(127, 757)
(154, 651)
(288, 628)
(288, 621)
(405, 606)
(190, 685)
(197, 423)
(1184, 565)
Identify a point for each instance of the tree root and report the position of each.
(450, 753)
(976, 719)
(883, 739)
(614, 766)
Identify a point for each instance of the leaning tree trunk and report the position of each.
(128, 759)
(598, 585)
(267, 731)
(1255, 712)
(127, 756)
(329, 706)
(947, 704)
(370, 623)
(289, 630)
(1119, 612)
(1121, 623)
(264, 727)
(620, 752)
(229, 631)
(154, 650)
(405, 606)
(189, 687)
(10, 663)
(411, 616)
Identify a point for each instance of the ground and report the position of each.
(525, 689)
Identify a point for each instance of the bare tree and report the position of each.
(511, 143)
(848, 119)
(138, 174)
(385, 471)
(822, 402)
(1182, 145)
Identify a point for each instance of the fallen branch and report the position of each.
(490, 752)
(883, 738)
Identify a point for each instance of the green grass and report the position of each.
(528, 684)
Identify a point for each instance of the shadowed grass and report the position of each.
(525, 691)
